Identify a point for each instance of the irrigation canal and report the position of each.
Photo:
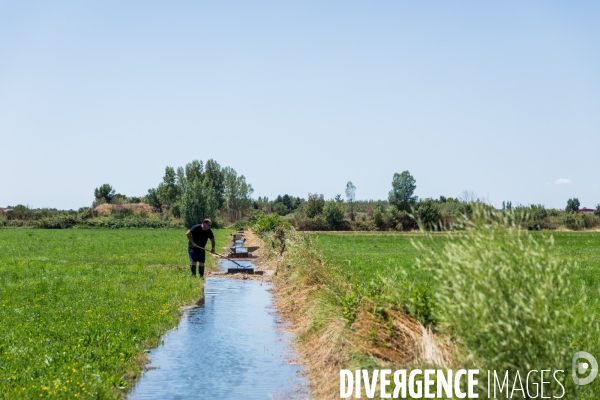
(229, 346)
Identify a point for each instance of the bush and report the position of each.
(502, 295)
(334, 213)
(399, 220)
(317, 223)
(314, 205)
(19, 212)
(590, 221)
(428, 212)
(378, 218)
(240, 224)
(573, 221)
(550, 222)
(85, 213)
(280, 209)
(363, 225)
(121, 212)
(269, 223)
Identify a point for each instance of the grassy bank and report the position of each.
(78, 307)
(363, 300)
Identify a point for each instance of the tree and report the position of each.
(468, 197)
(168, 193)
(194, 171)
(572, 205)
(334, 213)
(314, 205)
(403, 187)
(350, 197)
(198, 202)
(597, 211)
(280, 209)
(213, 178)
(287, 201)
(236, 193)
(105, 192)
(152, 199)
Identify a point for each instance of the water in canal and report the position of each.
(228, 347)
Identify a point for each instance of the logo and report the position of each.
(582, 367)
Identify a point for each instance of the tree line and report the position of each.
(192, 193)
(197, 190)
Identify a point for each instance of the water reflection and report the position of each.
(228, 347)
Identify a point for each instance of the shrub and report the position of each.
(240, 224)
(269, 223)
(68, 220)
(502, 295)
(317, 223)
(363, 225)
(573, 221)
(550, 222)
(334, 213)
(280, 209)
(121, 212)
(378, 218)
(85, 213)
(590, 221)
(400, 220)
(529, 217)
(314, 205)
(553, 212)
(19, 212)
(428, 212)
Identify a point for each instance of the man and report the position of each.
(198, 235)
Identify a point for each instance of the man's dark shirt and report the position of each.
(200, 236)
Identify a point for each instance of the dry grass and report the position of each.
(404, 341)
(325, 341)
(106, 209)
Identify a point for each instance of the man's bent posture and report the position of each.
(198, 235)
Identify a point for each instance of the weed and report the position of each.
(504, 296)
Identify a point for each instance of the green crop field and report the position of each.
(365, 255)
(511, 301)
(78, 307)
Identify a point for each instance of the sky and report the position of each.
(498, 98)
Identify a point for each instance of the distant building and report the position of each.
(586, 210)
(5, 209)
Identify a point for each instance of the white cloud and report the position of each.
(562, 181)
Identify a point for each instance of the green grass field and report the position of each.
(362, 256)
(77, 307)
(510, 312)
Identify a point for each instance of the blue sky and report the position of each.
(501, 99)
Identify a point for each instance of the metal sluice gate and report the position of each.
(238, 251)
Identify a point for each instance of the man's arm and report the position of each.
(191, 238)
(212, 241)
